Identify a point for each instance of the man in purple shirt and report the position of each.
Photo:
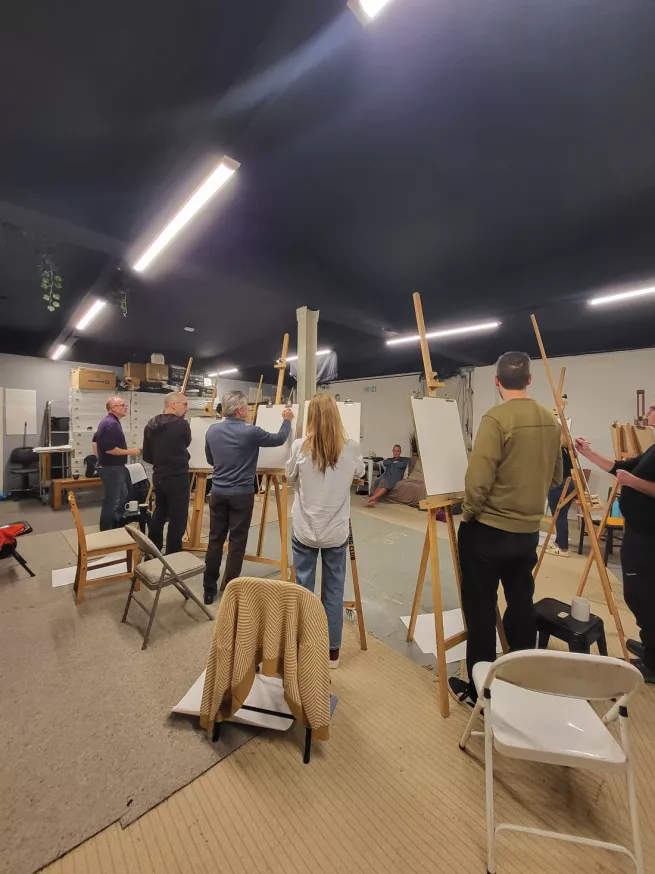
(112, 458)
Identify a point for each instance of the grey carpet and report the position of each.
(87, 735)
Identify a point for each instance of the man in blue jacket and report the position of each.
(232, 448)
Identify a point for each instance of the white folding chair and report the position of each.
(536, 707)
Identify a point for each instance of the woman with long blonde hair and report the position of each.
(323, 465)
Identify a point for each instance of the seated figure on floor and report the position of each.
(394, 471)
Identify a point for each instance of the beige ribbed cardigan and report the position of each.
(282, 626)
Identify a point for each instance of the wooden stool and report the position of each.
(578, 635)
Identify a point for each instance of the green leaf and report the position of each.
(46, 297)
(56, 296)
(51, 309)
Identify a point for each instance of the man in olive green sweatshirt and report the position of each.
(516, 459)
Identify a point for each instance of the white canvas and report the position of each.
(199, 427)
(20, 408)
(441, 444)
(425, 636)
(270, 419)
(266, 692)
(351, 418)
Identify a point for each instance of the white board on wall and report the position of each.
(20, 410)
(440, 444)
(270, 419)
(199, 427)
(351, 418)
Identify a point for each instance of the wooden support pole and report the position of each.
(583, 496)
(430, 376)
(281, 367)
(601, 529)
(565, 499)
(186, 375)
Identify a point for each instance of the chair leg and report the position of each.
(308, 746)
(634, 819)
(189, 594)
(216, 732)
(602, 644)
(152, 617)
(129, 599)
(21, 561)
(489, 793)
(580, 545)
(479, 704)
(544, 637)
(81, 581)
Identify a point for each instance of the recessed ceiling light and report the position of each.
(450, 332)
(217, 179)
(190, 330)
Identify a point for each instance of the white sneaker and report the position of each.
(334, 659)
(553, 549)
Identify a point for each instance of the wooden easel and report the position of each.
(433, 504)
(581, 492)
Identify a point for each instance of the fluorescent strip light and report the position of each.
(451, 332)
(212, 374)
(225, 372)
(59, 351)
(295, 357)
(220, 175)
(88, 317)
(611, 298)
(366, 10)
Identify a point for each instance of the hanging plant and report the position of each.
(50, 282)
(118, 289)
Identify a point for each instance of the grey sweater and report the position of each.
(232, 448)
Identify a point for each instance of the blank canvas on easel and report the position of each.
(199, 427)
(270, 419)
(351, 418)
(441, 444)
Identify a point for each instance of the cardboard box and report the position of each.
(157, 372)
(134, 371)
(93, 380)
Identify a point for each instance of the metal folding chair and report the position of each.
(160, 571)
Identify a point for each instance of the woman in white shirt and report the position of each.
(324, 464)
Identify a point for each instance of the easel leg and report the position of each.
(358, 596)
(262, 521)
(419, 587)
(282, 500)
(438, 613)
(601, 529)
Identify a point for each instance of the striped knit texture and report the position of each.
(281, 626)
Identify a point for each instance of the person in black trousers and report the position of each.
(232, 448)
(516, 459)
(165, 445)
(637, 502)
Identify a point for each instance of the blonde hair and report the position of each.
(325, 437)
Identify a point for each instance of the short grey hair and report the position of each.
(173, 397)
(233, 401)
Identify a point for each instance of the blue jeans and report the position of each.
(333, 581)
(114, 480)
(562, 525)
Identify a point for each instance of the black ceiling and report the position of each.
(497, 156)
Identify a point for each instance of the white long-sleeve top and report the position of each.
(321, 507)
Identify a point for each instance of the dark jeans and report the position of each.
(115, 490)
(227, 513)
(172, 506)
(562, 524)
(486, 556)
(333, 581)
(639, 586)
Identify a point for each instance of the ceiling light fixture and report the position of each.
(320, 352)
(217, 179)
(59, 351)
(450, 332)
(366, 10)
(612, 298)
(189, 329)
(90, 314)
(230, 370)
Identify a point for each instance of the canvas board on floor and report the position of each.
(425, 635)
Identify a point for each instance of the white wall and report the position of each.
(601, 389)
(386, 413)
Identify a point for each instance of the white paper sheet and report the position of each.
(425, 637)
(65, 576)
(351, 418)
(199, 427)
(270, 419)
(20, 408)
(441, 444)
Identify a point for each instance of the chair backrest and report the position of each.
(573, 675)
(144, 543)
(81, 535)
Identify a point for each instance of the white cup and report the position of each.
(132, 506)
(580, 609)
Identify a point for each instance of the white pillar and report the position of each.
(307, 340)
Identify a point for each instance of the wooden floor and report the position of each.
(390, 791)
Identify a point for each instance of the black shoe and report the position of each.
(209, 599)
(462, 691)
(636, 648)
(648, 675)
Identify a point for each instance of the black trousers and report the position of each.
(639, 586)
(172, 506)
(227, 514)
(488, 555)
